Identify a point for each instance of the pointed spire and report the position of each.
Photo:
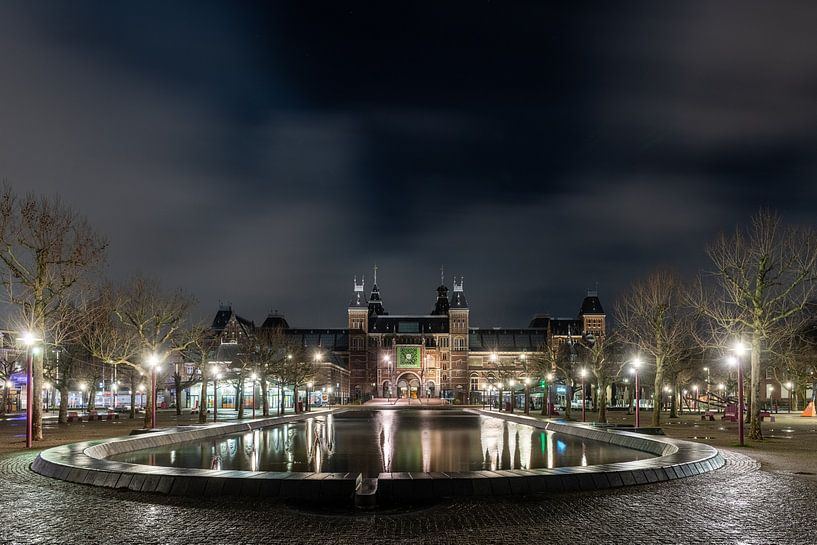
(375, 274)
(442, 275)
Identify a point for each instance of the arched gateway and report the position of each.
(408, 386)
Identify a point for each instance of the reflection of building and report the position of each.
(431, 355)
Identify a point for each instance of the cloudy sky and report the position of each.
(264, 154)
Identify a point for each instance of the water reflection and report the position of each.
(388, 441)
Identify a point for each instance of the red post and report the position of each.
(29, 397)
(637, 402)
(740, 400)
(153, 396)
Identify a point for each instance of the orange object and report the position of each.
(809, 410)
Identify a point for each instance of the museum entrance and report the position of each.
(408, 386)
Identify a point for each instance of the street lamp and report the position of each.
(153, 361)
(512, 388)
(739, 349)
(789, 387)
(499, 396)
(28, 340)
(583, 374)
(636, 365)
(82, 387)
(114, 388)
(329, 391)
(387, 360)
(308, 388)
(142, 391)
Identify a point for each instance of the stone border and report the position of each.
(675, 459)
(87, 463)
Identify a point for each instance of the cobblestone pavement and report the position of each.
(739, 503)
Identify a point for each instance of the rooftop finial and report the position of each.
(442, 275)
(375, 274)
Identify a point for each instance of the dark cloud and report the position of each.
(266, 153)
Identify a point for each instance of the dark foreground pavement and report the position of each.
(739, 503)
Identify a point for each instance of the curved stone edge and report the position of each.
(86, 463)
(675, 459)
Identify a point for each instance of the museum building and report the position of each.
(437, 354)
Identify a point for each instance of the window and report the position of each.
(444, 356)
(459, 343)
(443, 342)
(474, 383)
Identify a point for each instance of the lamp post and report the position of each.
(308, 395)
(789, 387)
(512, 388)
(142, 392)
(740, 349)
(329, 391)
(527, 395)
(28, 340)
(114, 388)
(636, 365)
(82, 387)
(583, 374)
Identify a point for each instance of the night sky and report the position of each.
(265, 154)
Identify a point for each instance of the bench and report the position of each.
(93, 415)
(708, 415)
(111, 416)
(766, 414)
(73, 415)
(730, 413)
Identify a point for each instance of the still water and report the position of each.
(388, 441)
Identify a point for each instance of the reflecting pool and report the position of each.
(371, 442)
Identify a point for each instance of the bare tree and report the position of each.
(155, 318)
(197, 345)
(46, 248)
(652, 318)
(763, 279)
(601, 355)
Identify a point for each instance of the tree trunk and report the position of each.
(92, 396)
(265, 398)
(658, 387)
(545, 396)
(282, 409)
(569, 401)
(602, 401)
(132, 412)
(178, 387)
(63, 414)
(203, 399)
(672, 407)
(5, 397)
(149, 404)
(239, 397)
(755, 432)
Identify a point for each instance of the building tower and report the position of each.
(458, 327)
(592, 316)
(375, 303)
(358, 330)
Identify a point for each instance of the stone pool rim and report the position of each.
(86, 463)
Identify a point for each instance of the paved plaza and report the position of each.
(744, 502)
